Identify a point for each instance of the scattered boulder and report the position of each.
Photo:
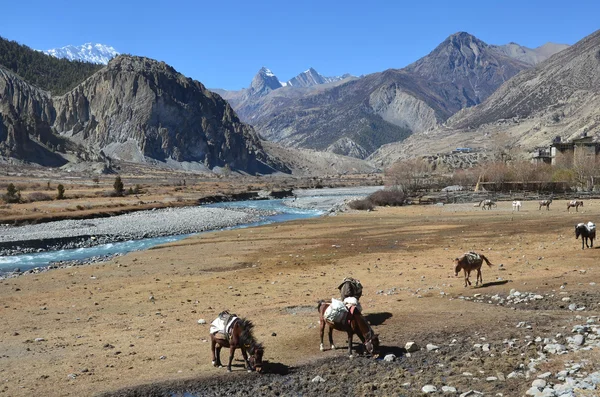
(411, 347)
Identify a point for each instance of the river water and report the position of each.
(307, 204)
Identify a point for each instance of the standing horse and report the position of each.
(516, 205)
(487, 203)
(545, 203)
(586, 232)
(355, 323)
(468, 262)
(239, 336)
(574, 203)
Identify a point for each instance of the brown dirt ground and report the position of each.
(98, 321)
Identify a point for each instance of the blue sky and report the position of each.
(224, 43)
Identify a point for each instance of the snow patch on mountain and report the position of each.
(88, 52)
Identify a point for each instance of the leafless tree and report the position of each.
(408, 175)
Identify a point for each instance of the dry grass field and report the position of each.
(101, 332)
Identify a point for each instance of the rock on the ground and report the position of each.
(429, 389)
(411, 347)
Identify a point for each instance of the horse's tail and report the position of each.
(319, 303)
(486, 260)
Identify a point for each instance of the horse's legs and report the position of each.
(350, 343)
(231, 351)
(245, 355)
(322, 330)
(213, 345)
(218, 351)
(479, 277)
(331, 338)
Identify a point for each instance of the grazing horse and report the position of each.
(516, 205)
(586, 231)
(239, 336)
(574, 203)
(487, 203)
(355, 323)
(545, 203)
(468, 262)
(350, 287)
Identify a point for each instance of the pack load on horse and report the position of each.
(350, 287)
(574, 203)
(347, 318)
(586, 231)
(468, 262)
(229, 330)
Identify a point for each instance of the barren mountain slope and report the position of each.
(357, 117)
(135, 109)
(559, 97)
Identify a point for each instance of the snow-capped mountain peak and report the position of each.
(88, 52)
(311, 77)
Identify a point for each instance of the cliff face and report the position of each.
(136, 109)
(26, 115)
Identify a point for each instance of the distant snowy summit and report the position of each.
(88, 52)
(311, 77)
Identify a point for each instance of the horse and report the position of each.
(586, 231)
(240, 336)
(516, 205)
(486, 203)
(350, 287)
(468, 262)
(574, 203)
(355, 323)
(545, 203)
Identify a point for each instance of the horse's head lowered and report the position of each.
(372, 344)
(457, 266)
(256, 352)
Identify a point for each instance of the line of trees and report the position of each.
(44, 71)
(417, 174)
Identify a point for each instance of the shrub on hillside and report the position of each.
(391, 197)
(361, 205)
(38, 196)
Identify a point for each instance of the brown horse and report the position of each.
(545, 203)
(574, 203)
(240, 336)
(355, 323)
(468, 262)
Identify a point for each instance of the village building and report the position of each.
(566, 152)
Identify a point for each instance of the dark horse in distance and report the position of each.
(586, 231)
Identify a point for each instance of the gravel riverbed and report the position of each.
(144, 224)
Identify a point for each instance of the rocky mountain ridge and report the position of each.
(356, 116)
(558, 97)
(135, 109)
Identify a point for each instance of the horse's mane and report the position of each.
(247, 336)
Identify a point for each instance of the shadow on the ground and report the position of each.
(492, 283)
(275, 368)
(395, 350)
(377, 318)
